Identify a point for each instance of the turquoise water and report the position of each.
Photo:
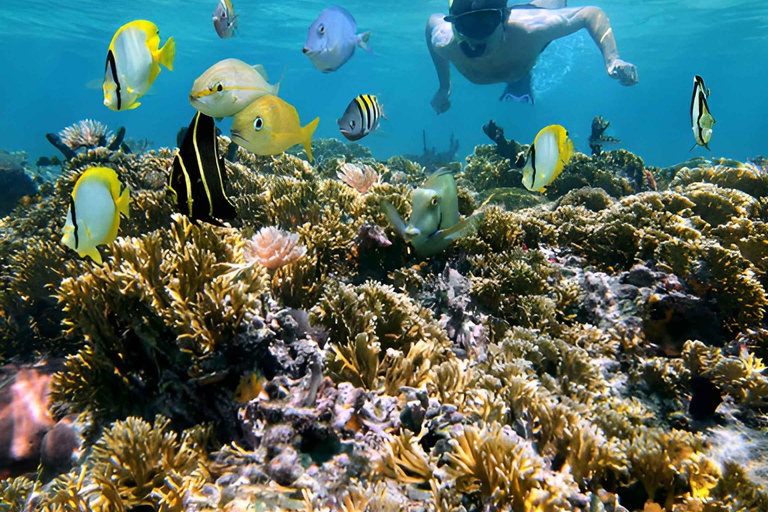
(52, 50)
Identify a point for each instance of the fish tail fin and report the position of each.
(307, 142)
(168, 53)
(362, 41)
(124, 203)
(94, 255)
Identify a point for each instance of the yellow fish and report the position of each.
(133, 63)
(550, 153)
(97, 202)
(249, 388)
(269, 126)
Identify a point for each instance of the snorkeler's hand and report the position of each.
(441, 102)
(623, 71)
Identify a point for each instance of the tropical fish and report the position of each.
(701, 120)
(361, 117)
(133, 63)
(269, 126)
(550, 153)
(95, 206)
(435, 219)
(225, 19)
(250, 387)
(198, 177)
(333, 38)
(228, 87)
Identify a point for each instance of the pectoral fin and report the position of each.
(394, 218)
(462, 228)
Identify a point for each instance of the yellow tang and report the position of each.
(133, 63)
(97, 201)
(550, 153)
(269, 126)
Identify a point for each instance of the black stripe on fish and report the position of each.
(373, 112)
(533, 164)
(364, 116)
(113, 67)
(198, 177)
(74, 221)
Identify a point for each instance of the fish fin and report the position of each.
(124, 203)
(432, 179)
(167, 53)
(93, 254)
(307, 139)
(694, 147)
(133, 106)
(219, 119)
(260, 70)
(96, 84)
(362, 41)
(277, 85)
(462, 228)
(394, 218)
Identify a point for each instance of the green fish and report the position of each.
(435, 219)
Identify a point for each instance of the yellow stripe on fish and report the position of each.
(361, 117)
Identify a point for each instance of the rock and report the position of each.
(285, 468)
(640, 276)
(14, 182)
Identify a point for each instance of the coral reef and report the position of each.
(597, 138)
(360, 178)
(15, 184)
(430, 159)
(551, 361)
(507, 148)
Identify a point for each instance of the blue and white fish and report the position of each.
(333, 38)
(225, 19)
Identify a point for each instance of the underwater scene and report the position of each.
(400, 256)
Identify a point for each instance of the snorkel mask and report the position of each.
(476, 19)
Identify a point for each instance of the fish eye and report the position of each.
(434, 201)
(258, 124)
(219, 88)
(321, 29)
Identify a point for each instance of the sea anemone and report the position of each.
(274, 248)
(359, 177)
(85, 134)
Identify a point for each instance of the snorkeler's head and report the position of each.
(476, 19)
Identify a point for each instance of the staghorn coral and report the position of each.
(361, 178)
(273, 248)
(14, 493)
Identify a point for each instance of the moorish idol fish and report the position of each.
(133, 63)
(435, 219)
(701, 120)
(198, 176)
(95, 206)
(361, 117)
(549, 154)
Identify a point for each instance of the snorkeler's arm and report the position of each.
(597, 24)
(440, 102)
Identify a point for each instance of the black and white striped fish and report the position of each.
(361, 117)
(198, 178)
(701, 119)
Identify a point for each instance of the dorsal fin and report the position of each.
(260, 70)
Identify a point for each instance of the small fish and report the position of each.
(249, 388)
(225, 19)
(701, 120)
(435, 219)
(550, 153)
(333, 38)
(228, 87)
(269, 126)
(95, 206)
(198, 178)
(133, 63)
(361, 117)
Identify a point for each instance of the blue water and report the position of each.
(51, 50)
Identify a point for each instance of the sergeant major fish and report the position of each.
(95, 206)
(133, 63)
(550, 153)
(333, 38)
(198, 177)
(361, 117)
(269, 126)
(225, 19)
(435, 219)
(228, 87)
(701, 119)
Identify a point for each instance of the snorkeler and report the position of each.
(487, 51)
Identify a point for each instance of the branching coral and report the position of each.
(359, 177)
(85, 134)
